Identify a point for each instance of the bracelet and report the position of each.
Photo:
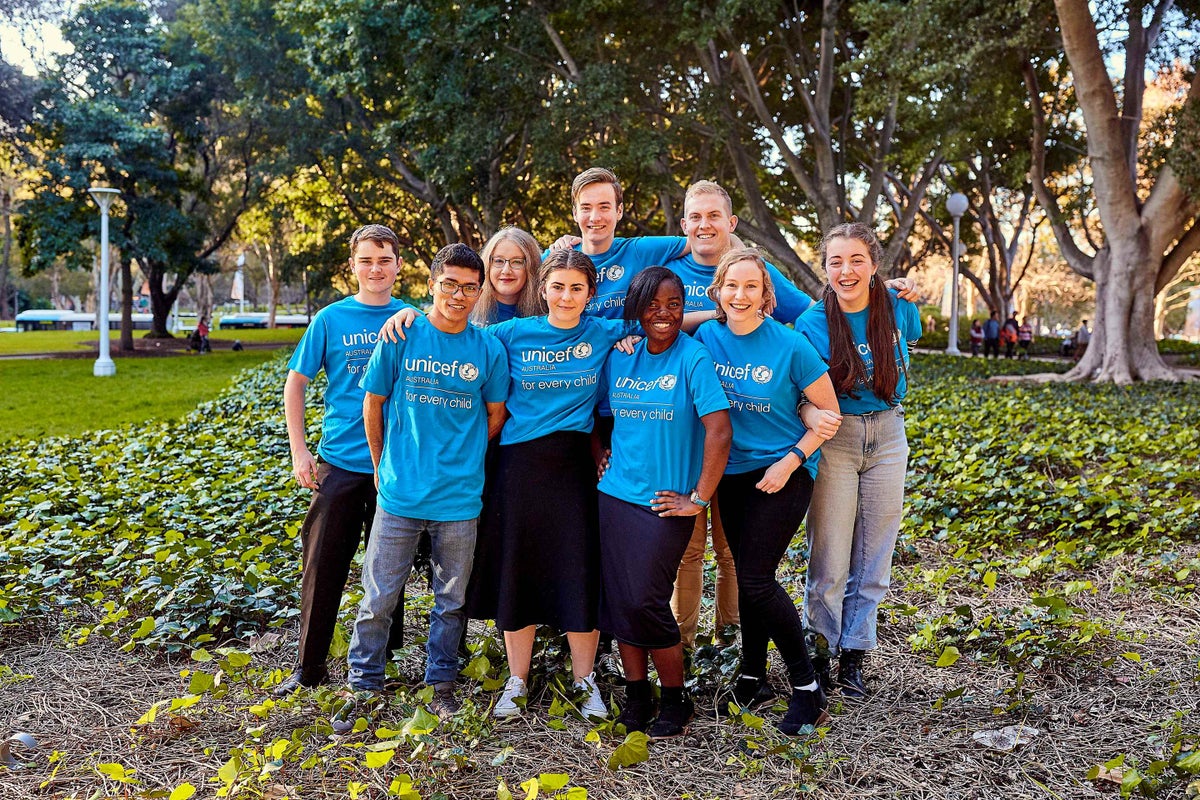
(799, 454)
(695, 498)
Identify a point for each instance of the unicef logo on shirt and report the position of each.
(761, 374)
(582, 350)
(615, 272)
(667, 382)
(468, 372)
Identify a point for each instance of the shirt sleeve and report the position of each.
(807, 366)
(383, 370)
(495, 388)
(659, 249)
(309, 357)
(790, 302)
(705, 388)
(908, 320)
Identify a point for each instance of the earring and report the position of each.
(871, 285)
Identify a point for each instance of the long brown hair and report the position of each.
(846, 366)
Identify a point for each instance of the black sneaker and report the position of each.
(805, 708)
(444, 704)
(850, 674)
(748, 693)
(672, 720)
(301, 679)
(639, 706)
(608, 669)
(824, 672)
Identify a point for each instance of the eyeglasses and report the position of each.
(515, 264)
(451, 288)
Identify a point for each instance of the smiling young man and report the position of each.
(339, 340)
(432, 402)
(597, 203)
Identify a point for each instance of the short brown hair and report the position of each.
(568, 259)
(381, 234)
(596, 175)
(708, 187)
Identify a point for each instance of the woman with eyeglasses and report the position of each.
(541, 565)
(511, 256)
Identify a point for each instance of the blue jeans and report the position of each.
(853, 522)
(389, 559)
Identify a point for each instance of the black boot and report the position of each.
(824, 672)
(806, 707)
(639, 706)
(850, 674)
(674, 714)
(748, 693)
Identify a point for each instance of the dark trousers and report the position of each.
(338, 518)
(759, 527)
(991, 346)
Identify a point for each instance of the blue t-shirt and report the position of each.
(790, 302)
(435, 423)
(908, 323)
(656, 402)
(763, 373)
(554, 373)
(624, 259)
(340, 340)
(505, 311)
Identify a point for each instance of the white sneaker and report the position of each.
(507, 706)
(593, 706)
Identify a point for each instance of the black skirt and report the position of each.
(639, 557)
(537, 556)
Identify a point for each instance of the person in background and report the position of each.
(1025, 339)
(1009, 335)
(976, 337)
(1083, 338)
(991, 336)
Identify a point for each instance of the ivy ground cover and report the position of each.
(1045, 577)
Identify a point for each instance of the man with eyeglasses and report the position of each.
(432, 402)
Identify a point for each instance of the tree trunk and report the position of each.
(126, 304)
(272, 286)
(6, 260)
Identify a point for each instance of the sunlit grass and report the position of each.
(61, 397)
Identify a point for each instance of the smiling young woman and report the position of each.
(765, 368)
(864, 331)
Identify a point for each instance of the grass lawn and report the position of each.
(28, 342)
(61, 397)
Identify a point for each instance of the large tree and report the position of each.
(138, 107)
(1147, 199)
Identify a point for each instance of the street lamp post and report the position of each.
(956, 204)
(241, 280)
(104, 365)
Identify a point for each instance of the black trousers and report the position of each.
(338, 518)
(759, 527)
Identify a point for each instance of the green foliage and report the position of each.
(188, 524)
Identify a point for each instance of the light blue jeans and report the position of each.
(853, 521)
(388, 562)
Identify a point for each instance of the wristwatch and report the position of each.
(695, 498)
(799, 454)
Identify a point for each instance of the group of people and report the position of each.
(991, 334)
(636, 393)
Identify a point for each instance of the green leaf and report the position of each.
(377, 760)
(948, 657)
(1189, 762)
(631, 751)
(201, 655)
(1130, 781)
(144, 630)
(503, 792)
(1131, 656)
(989, 579)
(182, 792)
(553, 781)
(574, 793)
(479, 668)
(419, 723)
